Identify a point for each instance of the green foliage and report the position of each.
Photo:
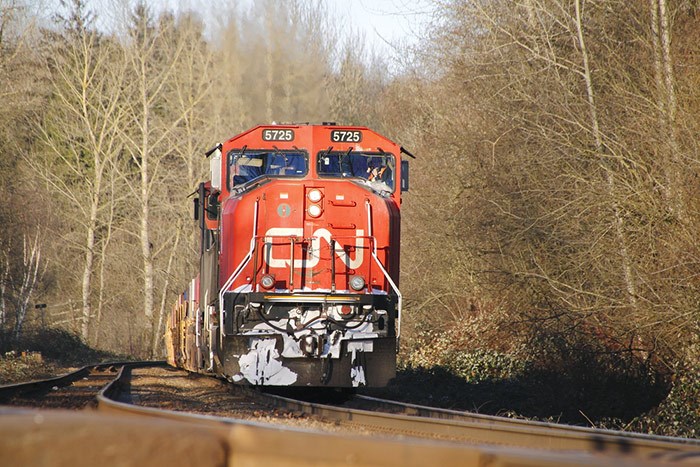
(14, 367)
(679, 413)
(473, 364)
(551, 376)
(494, 383)
(484, 365)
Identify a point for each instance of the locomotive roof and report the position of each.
(332, 126)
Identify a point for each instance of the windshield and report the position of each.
(248, 165)
(375, 168)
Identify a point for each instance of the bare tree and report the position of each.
(289, 47)
(354, 87)
(629, 278)
(80, 134)
(30, 275)
(667, 102)
(158, 334)
(149, 75)
(565, 195)
(129, 107)
(167, 102)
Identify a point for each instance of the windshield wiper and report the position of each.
(232, 156)
(249, 185)
(340, 163)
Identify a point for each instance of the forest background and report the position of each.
(552, 222)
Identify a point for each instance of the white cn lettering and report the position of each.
(272, 236)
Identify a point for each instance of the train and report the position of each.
(299, 242)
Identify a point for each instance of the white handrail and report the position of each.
(399, 302)
(398, 294)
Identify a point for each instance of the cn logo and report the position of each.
(313, 252)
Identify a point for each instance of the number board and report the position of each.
(346, 136)
(269, 134)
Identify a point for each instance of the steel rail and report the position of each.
(10, 390)
(141, 435)
(502, 432)
(481, 436)
(256, 443)
(620, 437)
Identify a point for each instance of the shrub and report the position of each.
(679, 413)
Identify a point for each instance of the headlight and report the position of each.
(314, 195)
(267, 281)
(314, 210)
(357, 283)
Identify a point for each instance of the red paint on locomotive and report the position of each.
(306, 229)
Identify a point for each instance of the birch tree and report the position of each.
(630, 280)
(167, 103)
(148, 77)
(667, 102)
(79, 135)
(187, 98)
(4, 281)
(30, 275)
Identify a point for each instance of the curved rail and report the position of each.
(142, 434)
(428, 422)
(264, 444)
(623, 439)
(11, 390)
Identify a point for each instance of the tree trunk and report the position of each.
(30, 276)
(148, 287)
(617, 212)
(269, 59)
(103, 254)
(164, 295)
(667, 103)
(89, 262)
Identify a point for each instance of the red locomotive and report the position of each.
(299, 265)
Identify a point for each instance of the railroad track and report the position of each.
(536, 433)
(211, 440)
(75, 390)
(415, 420)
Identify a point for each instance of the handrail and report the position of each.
(291, 263)
(292, 239)
(332, 247)
(399, 301)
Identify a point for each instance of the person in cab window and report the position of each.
(376, 171)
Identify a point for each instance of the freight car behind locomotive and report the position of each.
(299, 260)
